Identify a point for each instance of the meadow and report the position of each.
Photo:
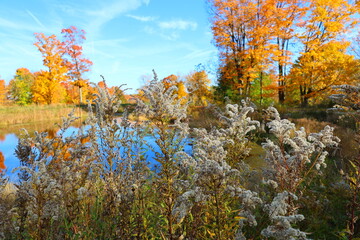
(13, 114)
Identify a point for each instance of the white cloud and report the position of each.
(142, 18)
(200, 54)
(12, 25)
(172, 36)
(178, 25)
(35, 19)
(109, 11)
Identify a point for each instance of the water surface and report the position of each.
(10, 135)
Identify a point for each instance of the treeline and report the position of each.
(62, 81)
(286, 51)
(27, 88)
(290, 50)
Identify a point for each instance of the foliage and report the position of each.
(21, 85)
(66, 66)
(75, 62)
(96, 183)
(3, 91)
(258, 38)
(47, 87)
(46, 90)
(174, 81)
(318, 70)
(197, 84)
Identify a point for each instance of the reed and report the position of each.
(10, 115)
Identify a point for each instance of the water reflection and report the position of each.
(9, 136)
(2, 162)
(8, 146)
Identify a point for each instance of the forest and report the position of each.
(270, 151)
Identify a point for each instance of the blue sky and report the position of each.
(126, 39)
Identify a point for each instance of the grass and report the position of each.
(14, 114)
(9, 192)
(256, 158)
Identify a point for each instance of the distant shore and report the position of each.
(14, 114)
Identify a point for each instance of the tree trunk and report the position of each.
(261, 88)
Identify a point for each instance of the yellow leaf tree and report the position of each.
(46, 90)
(3, 92)
(243, 33)
(173, 80)
(198, 85)
(317, 71)
(324, 61)
(286, 14)
(48, 87)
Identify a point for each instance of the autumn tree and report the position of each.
(198, 85)
(242, 33)
(324, 60)
(46, 90)
(3, 92)
(356, 45)
(173, 80)
(47, 87)
(76, 63)
(285, 16)
(317, 71)
(20, 86)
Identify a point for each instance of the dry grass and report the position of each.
(11, 115)
(256, 157)
(202, 117)
(348, 144)
(8, 193)
(310, 125)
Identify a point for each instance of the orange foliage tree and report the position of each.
(285, 16)
(257, 38)
(317, 71)
(324, 61)
(242, 33)
(173, 80)
(75, 61)
(3, 92)
(198, 85)
(47, 87)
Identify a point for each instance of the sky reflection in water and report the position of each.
(8, 143)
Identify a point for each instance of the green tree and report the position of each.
(20, 86)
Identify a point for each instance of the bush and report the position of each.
(97, 184)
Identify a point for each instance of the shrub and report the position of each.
(96, 183)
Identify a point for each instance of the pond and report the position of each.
(10, 135)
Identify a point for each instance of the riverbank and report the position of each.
(11, 115)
